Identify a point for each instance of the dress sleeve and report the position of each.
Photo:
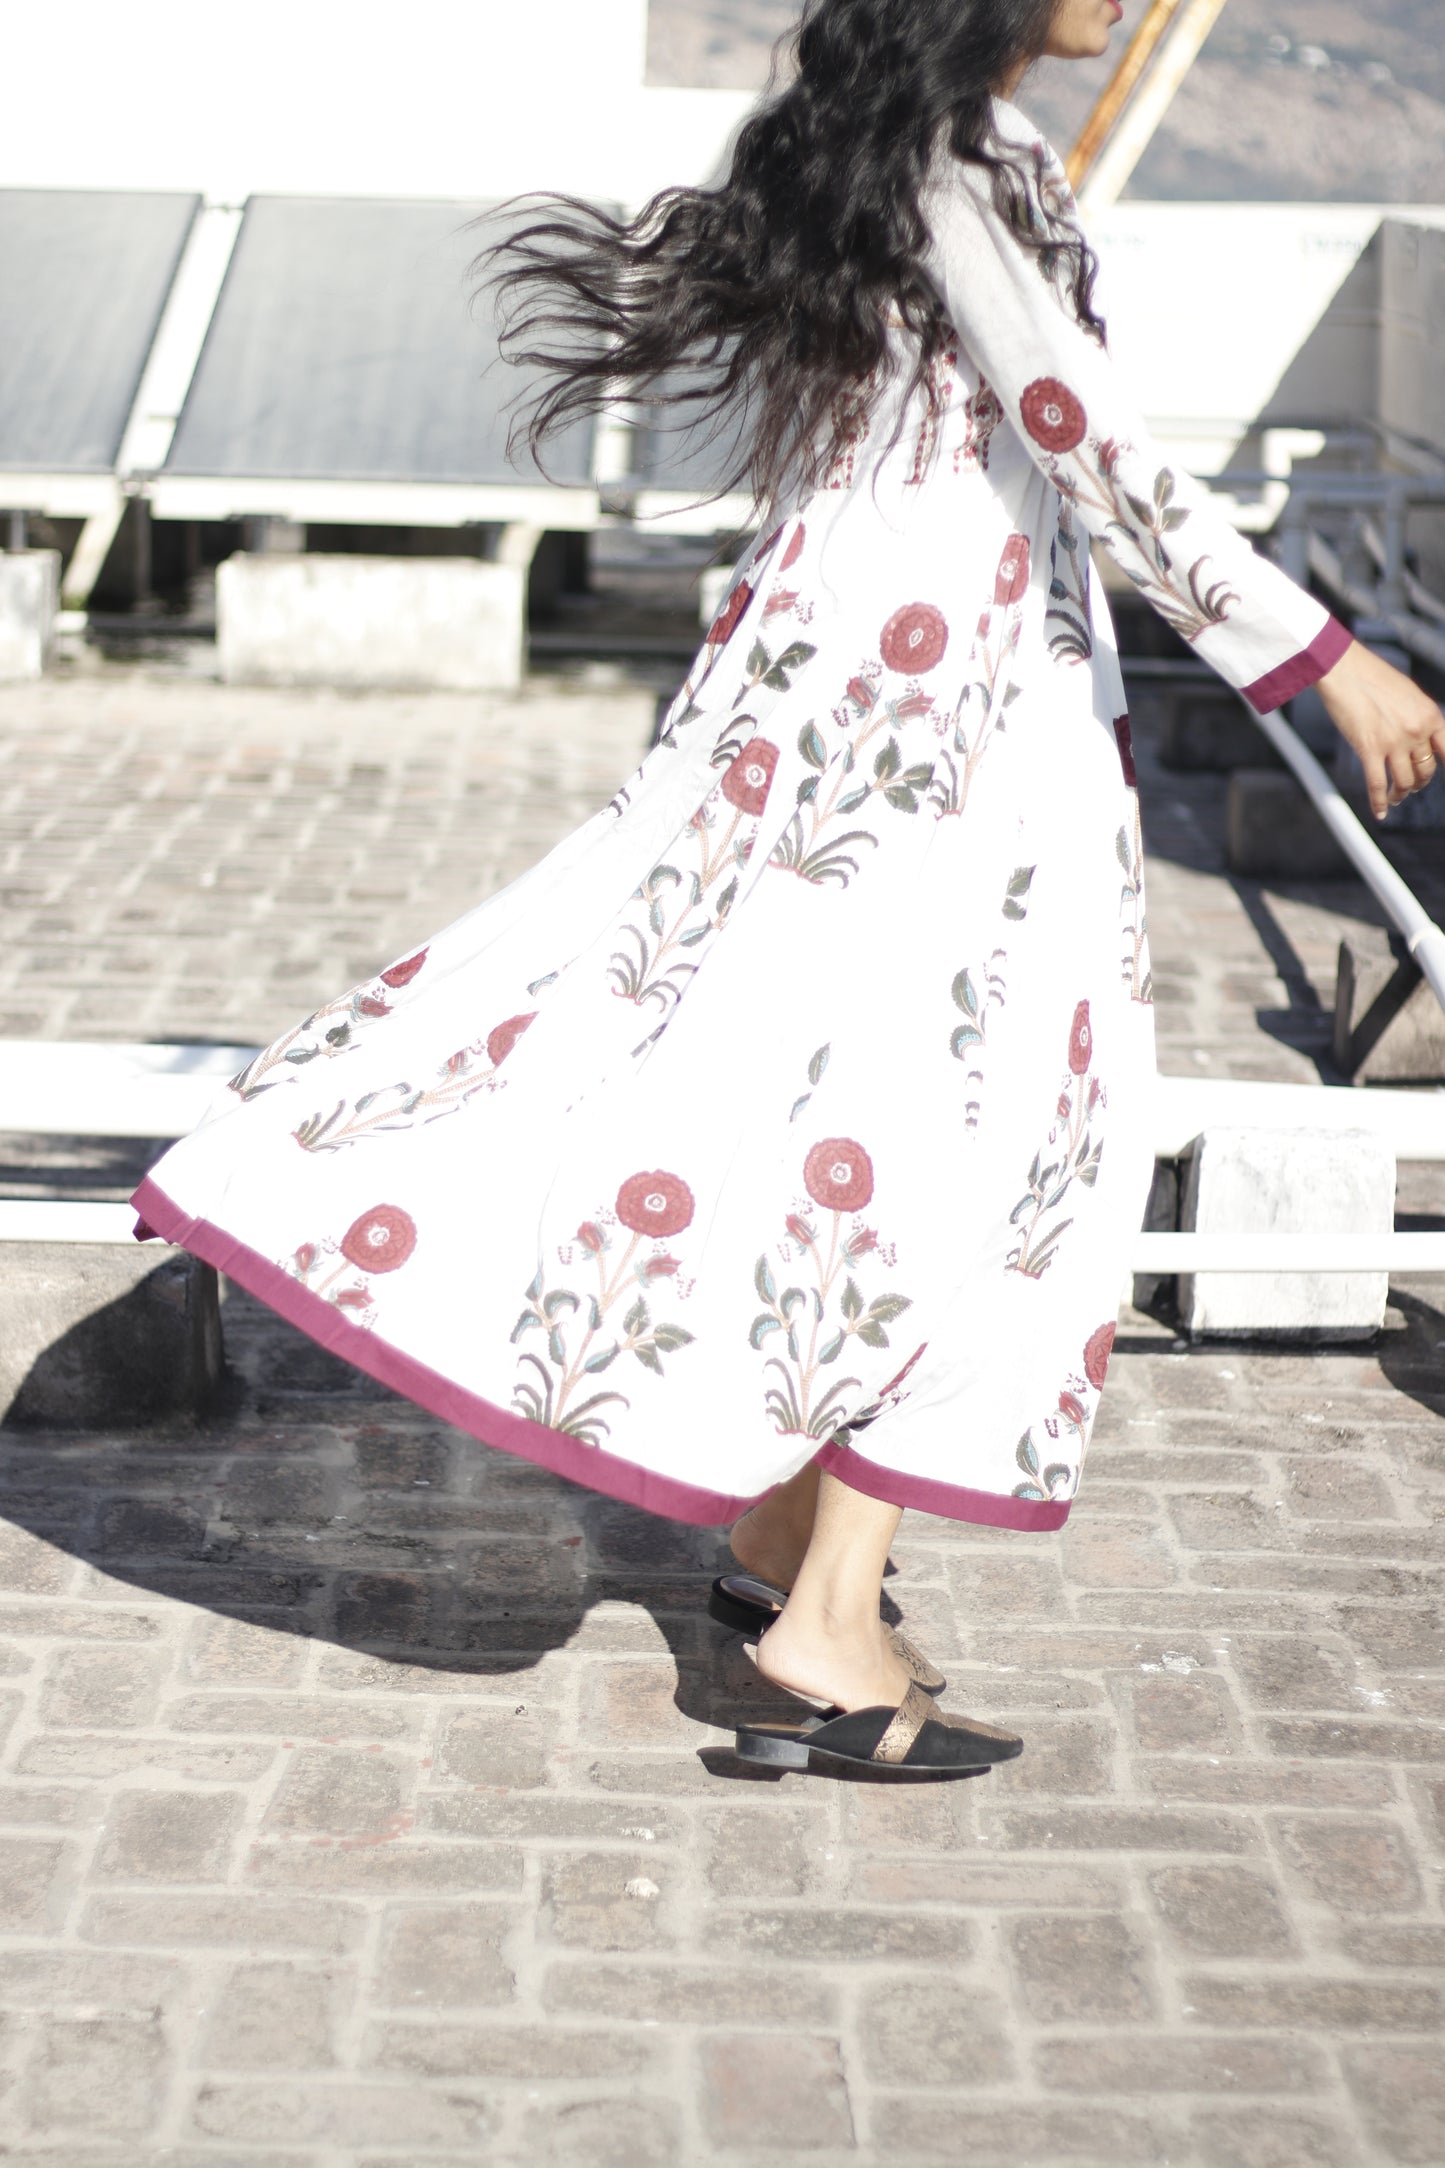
(1058, 387)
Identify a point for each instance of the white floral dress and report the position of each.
(796, 1106)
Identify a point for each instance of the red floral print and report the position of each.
(402, 974)
(1096, 1355)
(914, 639)
(748, 779)
(838, 1174)
(1125, 737)
(1081, 1040)
(381, 1240)
(725, 623)
(655, 1204)
(1012, 580)
(503, 1037)
(1071, 1409)
(1052, 415)
(368, 1005)
(794, 549)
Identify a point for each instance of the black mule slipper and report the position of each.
(749, 1606)
(917, 1740)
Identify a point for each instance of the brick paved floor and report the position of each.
(366, 1796)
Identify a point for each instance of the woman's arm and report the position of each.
(1264, 635)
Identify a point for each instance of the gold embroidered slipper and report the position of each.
(749, 1606)
(917, 1740)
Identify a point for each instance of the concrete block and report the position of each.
(104, 1334)
(1389, 1027)
(29, 599)
(1271, 829)
(1302, 1181)
(1206, 730)
(429, 623)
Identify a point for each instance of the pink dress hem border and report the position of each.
(498, 1427)
(1302, 670)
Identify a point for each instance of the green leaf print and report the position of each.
(818, 1064)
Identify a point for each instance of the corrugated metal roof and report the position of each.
(84, 276)
(343, 349)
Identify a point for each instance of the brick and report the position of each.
(98, 1689)
(1335, 1737)
(260, 1923)
(776, 1853)
(1062, 1759)
(605, 1900)
(1272, 2138)
(1173, 1714)
(845, 1934)
(940, 2030)
(1118, 1829)
(1093, 1648)
(542, 1814)
(89, 1755)
(1267, 1784)
(1080, 1967)
(1395, 1943)
(342, 1792)
(77, 1622)
(405, 1868)
(1016, 2134)
(1354, 1865)
(1401, 2094)
(244, 1652)
(387, 1608)
(29, 1563)
(492, 1749)
(300, 1716)
(274, 2015)
(277, 1494)
(684, 1994)
(1116, 1554)
(98, 2075)
(169, 1836)
(907, 1817)
(342, 2113)
(1289, 1671)
(35, 1878)
(604, 2133)
(446, 1956)
(990, 1884)
(779, 2090)
(1335, 1489)
(1221, 1911)
(384, 1460)
(438, 2049)
(1334, 2005)
(1007, 1587)
(1395, 1636)
(510, 1572)
(48, 1806)
(1169, 2063)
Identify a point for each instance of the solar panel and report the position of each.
(84, 276)
(343, 349)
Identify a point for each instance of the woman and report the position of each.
(771, 1153)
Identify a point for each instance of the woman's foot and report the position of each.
(771, 1538)
(852, 1665)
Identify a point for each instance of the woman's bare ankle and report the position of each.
(847, 1661)
(768, 1545)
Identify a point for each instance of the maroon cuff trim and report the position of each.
(1307, 668)
(598, 1471)
(947, 1501)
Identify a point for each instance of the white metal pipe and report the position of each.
(1152, 99)
(1422, 937)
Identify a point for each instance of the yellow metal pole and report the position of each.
(1138, 54)
(1151, 99)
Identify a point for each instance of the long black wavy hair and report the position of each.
(762, 307)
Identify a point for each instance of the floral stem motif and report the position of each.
(991, 690)
(657, 972)
(969, 1039)
(650, 1206)
(1129, 848)
(1068, 609)
(1067, 1429)
(838, 1177)
(803, 848)
(393, 1107)
(1069, 1156)
(327, 1031)
(774, 671)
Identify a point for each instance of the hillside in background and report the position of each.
(1303, 100)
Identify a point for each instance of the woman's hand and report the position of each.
(1398, 731)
